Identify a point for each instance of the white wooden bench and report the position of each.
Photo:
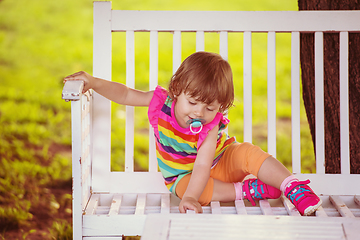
(112, 204)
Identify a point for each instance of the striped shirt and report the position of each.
(176, 147)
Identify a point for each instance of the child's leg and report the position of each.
(238, 161)
(217, 190)
(300, 194)
(273, 172)
(245, 158)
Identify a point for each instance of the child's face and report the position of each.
(187, 108)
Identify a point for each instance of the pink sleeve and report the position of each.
(156, 103)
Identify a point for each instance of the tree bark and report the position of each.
(331, 86)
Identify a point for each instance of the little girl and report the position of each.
(198, 160)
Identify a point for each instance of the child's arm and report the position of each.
(113, 91)
(200, 174)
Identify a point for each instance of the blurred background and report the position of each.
(43, 41)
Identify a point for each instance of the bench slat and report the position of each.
(115, 204)
(93, 204)
(101, 107)
(130, 82)
(247, 87)
(290, 208)
(176, 50)
(140, 204)
(295, 102)
(200, 41)
(200, 226)
(224, 45)
(256, 21)
(165, 203)
(344, 103)
(341, 206)
(357, 199)
(215, 207)
(271, 85)
(319, 103)
(240, 207)
(265, 207)
(153, 76)
(320, 212)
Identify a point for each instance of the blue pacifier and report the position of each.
(196, 123)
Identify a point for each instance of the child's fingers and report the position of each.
(75, 76)
(191, 206)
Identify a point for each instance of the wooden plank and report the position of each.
(130, 82)
(259, 21)
(116, 225)
(320, 212)
(344, 103)
(176, 50)
(201, 226)
(156, 228)
(357, 199)
(101, 107)
(295, 102)
(165, 203)
(240, 207)
(153, 82)
(200, 41)
(271, 92)
(140, 204)
(247, 88)
(341, 206)
(115, 204)
(351, 230)
(215, 207)
(77, 199)
(93, 204)
(224, 45)
(290, 208)
(319, 103)
(265, 207)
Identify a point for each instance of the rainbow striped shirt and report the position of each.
(176, 147)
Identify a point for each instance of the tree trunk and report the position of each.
(331, 86)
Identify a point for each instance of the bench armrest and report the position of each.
(72, 90)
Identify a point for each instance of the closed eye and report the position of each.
(192, 103)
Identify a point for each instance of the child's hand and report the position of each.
(191, 204)
(83, 76)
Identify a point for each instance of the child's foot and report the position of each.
(303, 197)
(254, 189)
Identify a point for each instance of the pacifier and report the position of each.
(196, 123)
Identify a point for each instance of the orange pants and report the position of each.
(238, 161)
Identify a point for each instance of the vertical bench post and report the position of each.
(101, 127)
(76, 168)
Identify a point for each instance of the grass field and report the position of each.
(43, 41)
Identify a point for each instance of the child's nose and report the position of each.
(199, 112)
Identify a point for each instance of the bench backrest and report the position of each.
(100, 178)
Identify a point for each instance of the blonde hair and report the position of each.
(206, 77)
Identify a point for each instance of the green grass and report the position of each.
(43, 41)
